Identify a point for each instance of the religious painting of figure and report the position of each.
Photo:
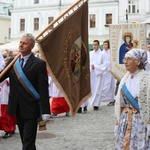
(135, 44)
(126, 46)
(124, 38)
(78, 58)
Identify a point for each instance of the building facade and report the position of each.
(34, 15)
(137, 11)
(5, 20)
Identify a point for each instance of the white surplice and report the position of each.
(54, 92)
(108, 81)
(84, 104)
(148, 56)
(95, 76)
(147, 67)
(4, 91)
(2, 62)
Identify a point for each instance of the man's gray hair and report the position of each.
(30, 37)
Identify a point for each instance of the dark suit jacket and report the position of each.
(35, 71)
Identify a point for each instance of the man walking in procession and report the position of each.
(28, 87)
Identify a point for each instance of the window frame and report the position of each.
(108, 19)
(36, 1)
(92, 19)
(36, 24)
(50, 19)
(133, 6)
(22, 24)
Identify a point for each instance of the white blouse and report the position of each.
(132, 84)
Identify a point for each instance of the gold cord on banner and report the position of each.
(60, 19)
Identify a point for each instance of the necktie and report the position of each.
(21, 62)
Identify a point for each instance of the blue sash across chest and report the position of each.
(130, 98)
(24, 80)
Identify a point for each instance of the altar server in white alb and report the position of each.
(96, 71)
(108, 81)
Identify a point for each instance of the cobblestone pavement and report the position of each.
(92, 130)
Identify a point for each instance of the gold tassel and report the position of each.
(42, 125)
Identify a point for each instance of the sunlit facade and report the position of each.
(5, 20)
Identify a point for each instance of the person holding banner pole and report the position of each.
(29, 98)
(132, 106)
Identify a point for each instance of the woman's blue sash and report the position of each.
(130, 98)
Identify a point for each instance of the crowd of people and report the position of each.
(19, 100)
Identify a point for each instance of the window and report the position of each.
(9, 13)
(133, 6)
(108, 18)
(22, 24)
(36, 24)
(36, 1)
(92, 21)
(9, 33)
(50, 19)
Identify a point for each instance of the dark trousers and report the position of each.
(28, 130)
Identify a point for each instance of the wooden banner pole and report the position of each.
(54, 21)
(9, 66)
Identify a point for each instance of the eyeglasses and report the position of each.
(128, 59)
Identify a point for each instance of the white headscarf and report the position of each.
(138, 54)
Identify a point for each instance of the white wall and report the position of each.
(4, 29)
(5, 23)
(144, 11)
(101, 32)
(49, 8)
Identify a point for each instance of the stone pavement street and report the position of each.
(92, 130)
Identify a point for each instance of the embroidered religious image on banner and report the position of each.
(123, 38)
(78, 58)
(66, 52)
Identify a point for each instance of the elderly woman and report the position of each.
(132, 108)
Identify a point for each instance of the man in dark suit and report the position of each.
(21, 102)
